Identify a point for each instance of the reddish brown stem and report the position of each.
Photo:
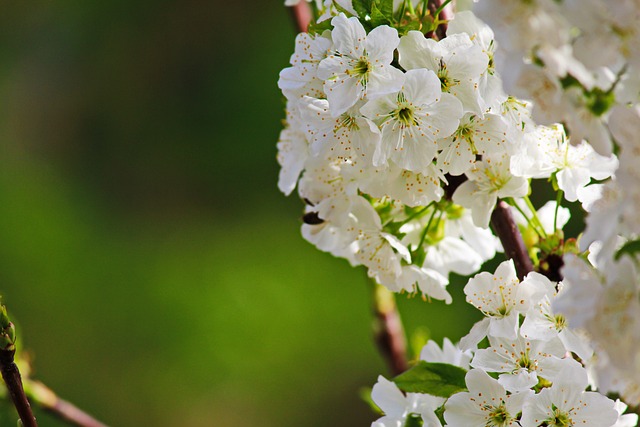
(44, 397)
(301, 15)
(507, 231)
(13, 381)
(388, 330)
(73, 415)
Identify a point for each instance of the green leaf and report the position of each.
(385, 7)
(436, 379)
(440, 415)
(362, 7)
(409, 26)
(631, 248)
(377, 17)
(320, 27)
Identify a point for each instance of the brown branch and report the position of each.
(388, 330)
(13, 381)
(43, 396)
(301, 15)
(507, 231)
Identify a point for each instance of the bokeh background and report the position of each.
(157, 275)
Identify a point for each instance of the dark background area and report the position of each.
(157, 275)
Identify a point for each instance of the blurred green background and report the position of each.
(157, 275)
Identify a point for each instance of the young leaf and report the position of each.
(436, 379)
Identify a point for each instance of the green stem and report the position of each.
(423, 11)
(441, 8)
(411, 9)
(415, 215)
(555, 215)
(530, 222)
(426, 229)
(535, 215)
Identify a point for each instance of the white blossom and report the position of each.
(449, 353)
(486, 404)
(475, 135)
(412, 120)
(398, 407)
(488, 180)
(456, 60)
(566, 403)
(360, 65)
(521, 362)
(501, 297)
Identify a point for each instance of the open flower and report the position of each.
(486, 404)
(412, 120)
(488, 180)
(360, 65)
(502, 298)
(399, 408)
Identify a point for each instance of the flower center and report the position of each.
(361, 70)
(526, 363)
(499, 417)
(559, 419)
(349, 122)
(404, 112)
(561, 322)
(494, 181)
(405, 115)
(466, 132)
(446, 82)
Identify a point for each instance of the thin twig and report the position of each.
(10, 372)
(13, 381)
(301, 15)
(507, 231)
(46, 398)
(388, 330)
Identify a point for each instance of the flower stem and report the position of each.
(534, 215)
(533, 224)
(555, 214)
(507, 231)
(442, 13)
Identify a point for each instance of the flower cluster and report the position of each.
(378, 128)
(401, 138)
(589, 79)
(525, 377)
